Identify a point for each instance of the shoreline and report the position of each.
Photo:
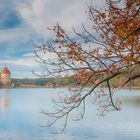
(69, 86)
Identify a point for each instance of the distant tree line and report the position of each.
(64, 81)
(42, 81)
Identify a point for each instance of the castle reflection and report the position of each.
(4, 100)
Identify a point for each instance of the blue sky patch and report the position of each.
(9, 19)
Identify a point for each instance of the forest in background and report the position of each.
(68, 81)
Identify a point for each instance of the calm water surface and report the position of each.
(20, 118)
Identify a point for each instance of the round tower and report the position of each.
(6, 77)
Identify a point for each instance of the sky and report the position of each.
(24, 21)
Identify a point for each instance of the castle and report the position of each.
(5, 77)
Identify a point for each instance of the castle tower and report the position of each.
(5, 77)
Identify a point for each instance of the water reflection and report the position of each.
(4, 99)
(4, 91)
(22, 118)
(4, 102)
(132, 101)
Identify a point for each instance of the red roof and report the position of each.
(5, 70)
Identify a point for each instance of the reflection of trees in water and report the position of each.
(4, 91)
(132, 100)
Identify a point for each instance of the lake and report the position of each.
(20, 118)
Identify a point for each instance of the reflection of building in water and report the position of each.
(4, 102)
(5, 77)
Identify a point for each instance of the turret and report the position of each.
(5, 77)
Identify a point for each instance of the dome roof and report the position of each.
(5, 70)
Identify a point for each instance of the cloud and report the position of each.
(27, 62)
(40, 14)
(25, 20)
(36, 15)
(14, 35)
(29, 55)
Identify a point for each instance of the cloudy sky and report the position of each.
(24, 20)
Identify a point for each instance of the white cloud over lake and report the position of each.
(26, 20)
